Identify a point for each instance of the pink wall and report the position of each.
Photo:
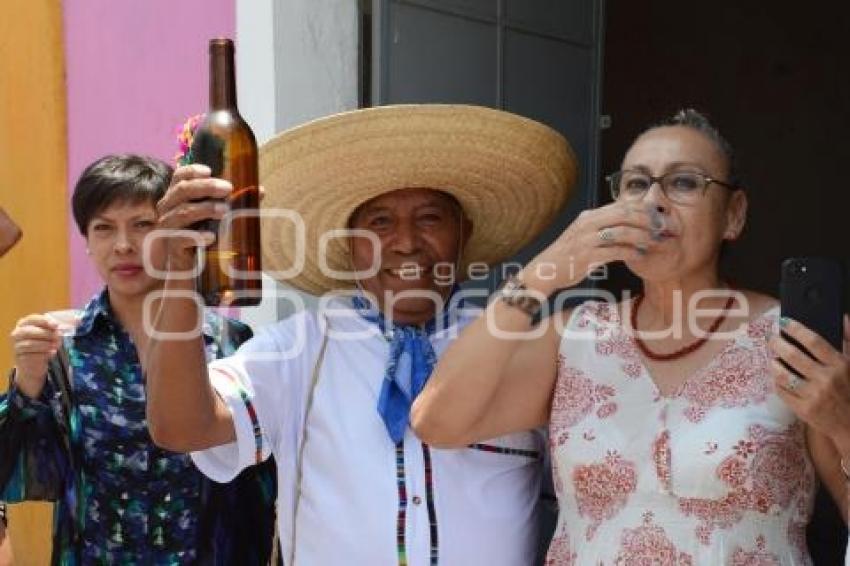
(135, 71)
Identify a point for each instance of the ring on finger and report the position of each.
(606, 234)
(794, 382)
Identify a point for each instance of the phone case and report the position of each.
(811, 292)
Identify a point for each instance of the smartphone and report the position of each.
(812, 292)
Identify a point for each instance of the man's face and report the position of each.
(421, 232)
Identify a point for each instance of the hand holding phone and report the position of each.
(812, 293)
(811, 367)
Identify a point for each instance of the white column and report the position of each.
(296, 61)
(255, 72)
(316, 64)
(255, 65)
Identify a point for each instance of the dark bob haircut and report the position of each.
(112, 179)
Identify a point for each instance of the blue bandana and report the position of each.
(410, 363)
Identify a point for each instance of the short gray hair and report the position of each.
(690, 118)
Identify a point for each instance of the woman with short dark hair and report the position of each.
(73, 427)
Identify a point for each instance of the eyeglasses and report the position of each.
(683, 187)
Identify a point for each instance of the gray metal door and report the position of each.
(538, 58)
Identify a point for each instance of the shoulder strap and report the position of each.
(299, 463)
(59, 371)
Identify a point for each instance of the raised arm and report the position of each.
(490, 383)
(33, 457)
(487, 384)
(184, 413)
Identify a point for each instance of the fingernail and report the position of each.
(201, 168)
(221, 207)
(783, 321)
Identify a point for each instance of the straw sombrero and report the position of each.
(510, 174)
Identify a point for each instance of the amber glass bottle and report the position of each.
(226, 144)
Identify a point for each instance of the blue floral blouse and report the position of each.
(120, 499)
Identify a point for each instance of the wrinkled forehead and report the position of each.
(409, 198)
(660, 148)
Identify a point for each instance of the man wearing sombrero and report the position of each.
(424, 188)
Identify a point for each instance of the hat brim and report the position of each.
(511, 175)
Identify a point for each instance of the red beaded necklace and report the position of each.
(682, 351)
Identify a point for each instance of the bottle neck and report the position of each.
(222, 76)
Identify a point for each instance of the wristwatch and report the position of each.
(514, 293)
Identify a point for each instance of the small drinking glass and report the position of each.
(68, 320)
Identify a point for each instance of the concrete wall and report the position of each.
(316, 46)
(255, 56)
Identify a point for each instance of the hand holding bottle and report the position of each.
(193, 196)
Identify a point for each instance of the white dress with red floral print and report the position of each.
(717, 473)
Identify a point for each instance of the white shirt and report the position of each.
(481, 501)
